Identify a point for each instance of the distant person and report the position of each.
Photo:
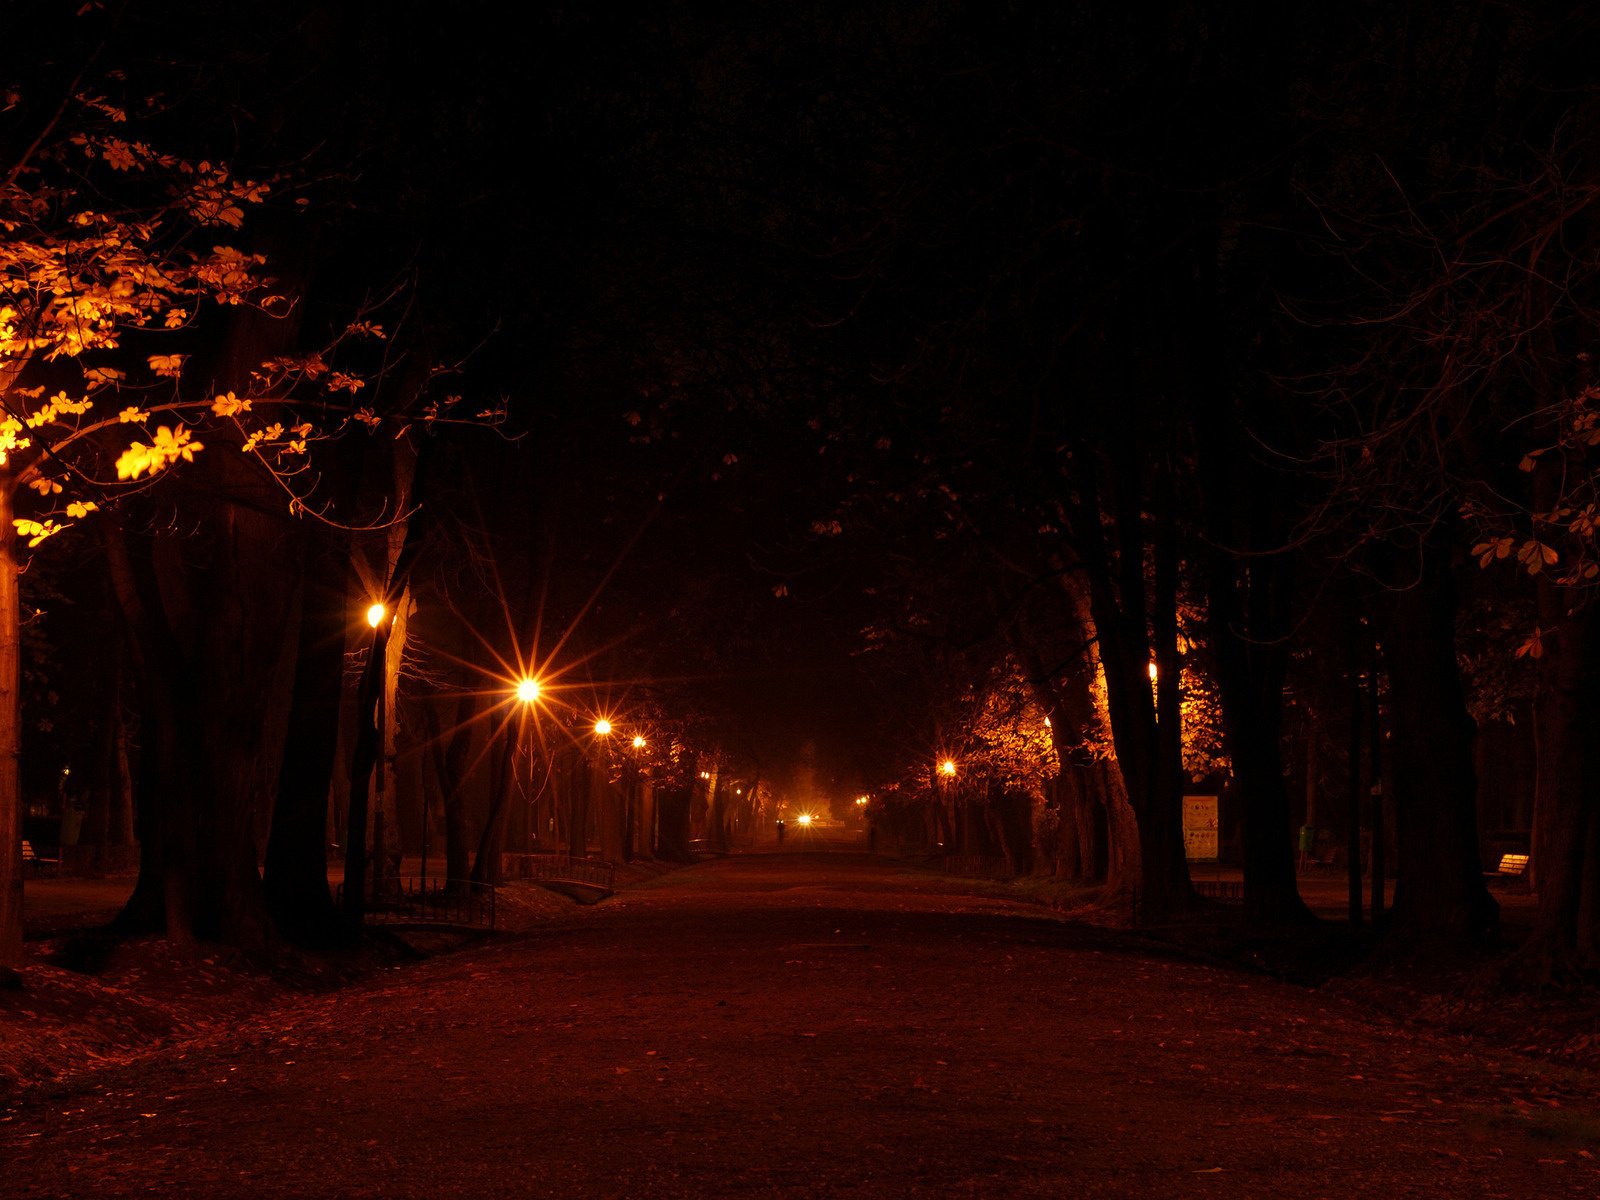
(780, 831)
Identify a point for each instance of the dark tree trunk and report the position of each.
(1566, 814)
(1122, 618)
(672, 809)
(1248, 620)
(486, 867)
(1439, 889)
(296, 873)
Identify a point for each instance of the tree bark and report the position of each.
(296, 874)
(10, 741)
(1566, 815)
(1439, 888)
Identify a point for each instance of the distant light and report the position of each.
(861, 799)
(603, 727)
(803, 819)
(528, 690)
(1153, 672)
(1047, 722)
(738, 791)
(638, 741)
(705, 774)
(376, 614)
(947, 767)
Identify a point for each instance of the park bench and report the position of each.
(1513, 868)
(33, 861)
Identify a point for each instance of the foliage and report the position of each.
(113, 251)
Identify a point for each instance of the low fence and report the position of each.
(410, 900)
(977, 866)
(561, 868)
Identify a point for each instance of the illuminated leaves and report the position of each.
(169, 446)
(1534, 646)
(1488, 552)
(1535, 556)
(37, 531)
(168, 366)
(229, 405)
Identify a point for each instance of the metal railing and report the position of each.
(1225, 890)
(563, 868)
(410, 900)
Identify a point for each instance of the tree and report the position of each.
(82, 280)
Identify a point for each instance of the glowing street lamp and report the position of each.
(638, 741)
(603, 727)
(376, 614)
(528, 690)
(948, 767)
(803, 819)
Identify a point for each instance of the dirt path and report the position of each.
(813, 1025)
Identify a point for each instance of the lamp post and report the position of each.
(378, 619)
(367, 753)
(947, 801)
(609, 819)
(527, 693)
(637, 833)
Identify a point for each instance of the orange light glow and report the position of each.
(638, 741)
(528, 690)
(947, 767)
(803, 819)
(603, 727)
(1153, 672)
(376, 614)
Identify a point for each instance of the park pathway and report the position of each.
(814, 1025)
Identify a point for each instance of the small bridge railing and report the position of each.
(410, 900)
(1228, 891)
(563, 868)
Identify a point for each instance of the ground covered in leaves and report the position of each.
(815, 1025)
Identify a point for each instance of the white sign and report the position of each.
(1200, 828)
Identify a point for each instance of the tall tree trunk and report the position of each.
(10, 741)
(296, 874)
(1566, 814)
(717, 811)
(1248, 620)
(672, 808)
(486, 867)
(1439, 889)
(609, 807)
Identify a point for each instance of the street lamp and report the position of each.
(948, 767)
(528, 690)
(638, 741)
(603, 727)
(371, 746)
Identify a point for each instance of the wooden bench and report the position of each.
(1512, 868)
(37, 862)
